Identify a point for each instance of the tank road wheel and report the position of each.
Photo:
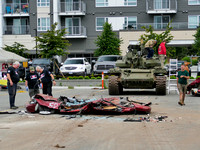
(115, 88)
(161, 85)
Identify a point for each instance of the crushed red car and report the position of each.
(113, 105)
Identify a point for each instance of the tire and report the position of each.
(115, 88)
(160, 85)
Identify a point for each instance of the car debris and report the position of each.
(58, 146)
(63, 104)
(147, 119)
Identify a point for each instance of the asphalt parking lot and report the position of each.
(179, 131)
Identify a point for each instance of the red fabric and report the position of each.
(162, 49)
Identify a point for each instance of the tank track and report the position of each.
(160, 85)
(115, 88)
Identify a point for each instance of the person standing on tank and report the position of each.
(149, 47)
(162, 53)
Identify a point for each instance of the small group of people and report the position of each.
(161, 50)
(33, 80)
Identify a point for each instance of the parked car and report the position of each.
(173, 68)
(198, 69)
(76, 66)
(104, 63)
(47, 63)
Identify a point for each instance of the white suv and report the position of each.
(76, 66)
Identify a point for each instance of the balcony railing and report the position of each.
(74, 7)
(161, 6)
(76, 31)
(157, 26)
(16, 8)
(16, 30)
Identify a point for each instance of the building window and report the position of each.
(130, 2)
(43, 3)
(161, 22)
(193, 21)
(101, 3)
(193, 2)
(100, 22)
(130, 22)
(43, 24)
(161, 4)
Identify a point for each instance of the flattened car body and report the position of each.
(113, 105)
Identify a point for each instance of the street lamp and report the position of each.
(36, 42)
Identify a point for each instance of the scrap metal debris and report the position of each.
(7, 112)
(147, 119)
(58, 146)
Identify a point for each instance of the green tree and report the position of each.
(151, 35)
(17, 48)
(196, 45)
(52, 42)
(108, 43)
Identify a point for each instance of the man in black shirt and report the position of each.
(31, 82)
(46, 78)
(13, 79)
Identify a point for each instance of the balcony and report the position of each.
(74, 8)
(16, 30)
(75, 32)
(158, 26)
(161, 6)
(16, 9)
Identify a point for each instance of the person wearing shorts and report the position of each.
(182, 77)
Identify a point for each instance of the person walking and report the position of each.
(13, 79)
(182, 77)
(162, 53)
(46, 77)
(31, 82)
(149, 47)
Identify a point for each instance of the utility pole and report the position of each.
(36, 42)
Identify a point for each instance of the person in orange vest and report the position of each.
(162, 53)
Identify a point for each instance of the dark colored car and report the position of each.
(198, 69)
(105, 63)
(47, 63)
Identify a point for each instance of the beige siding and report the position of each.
(26, 40)
(128, 36)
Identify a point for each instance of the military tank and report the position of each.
(136, 71)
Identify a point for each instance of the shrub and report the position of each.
(87, 77)
(75, 77)
(70, 77)
(93, 78)
(80, 77)
(197, 77)
(186, 59)
(172, 77)
(191, 77)
(98, 77)
(194, 61)
(106, 77)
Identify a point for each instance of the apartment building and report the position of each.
(23, 19)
